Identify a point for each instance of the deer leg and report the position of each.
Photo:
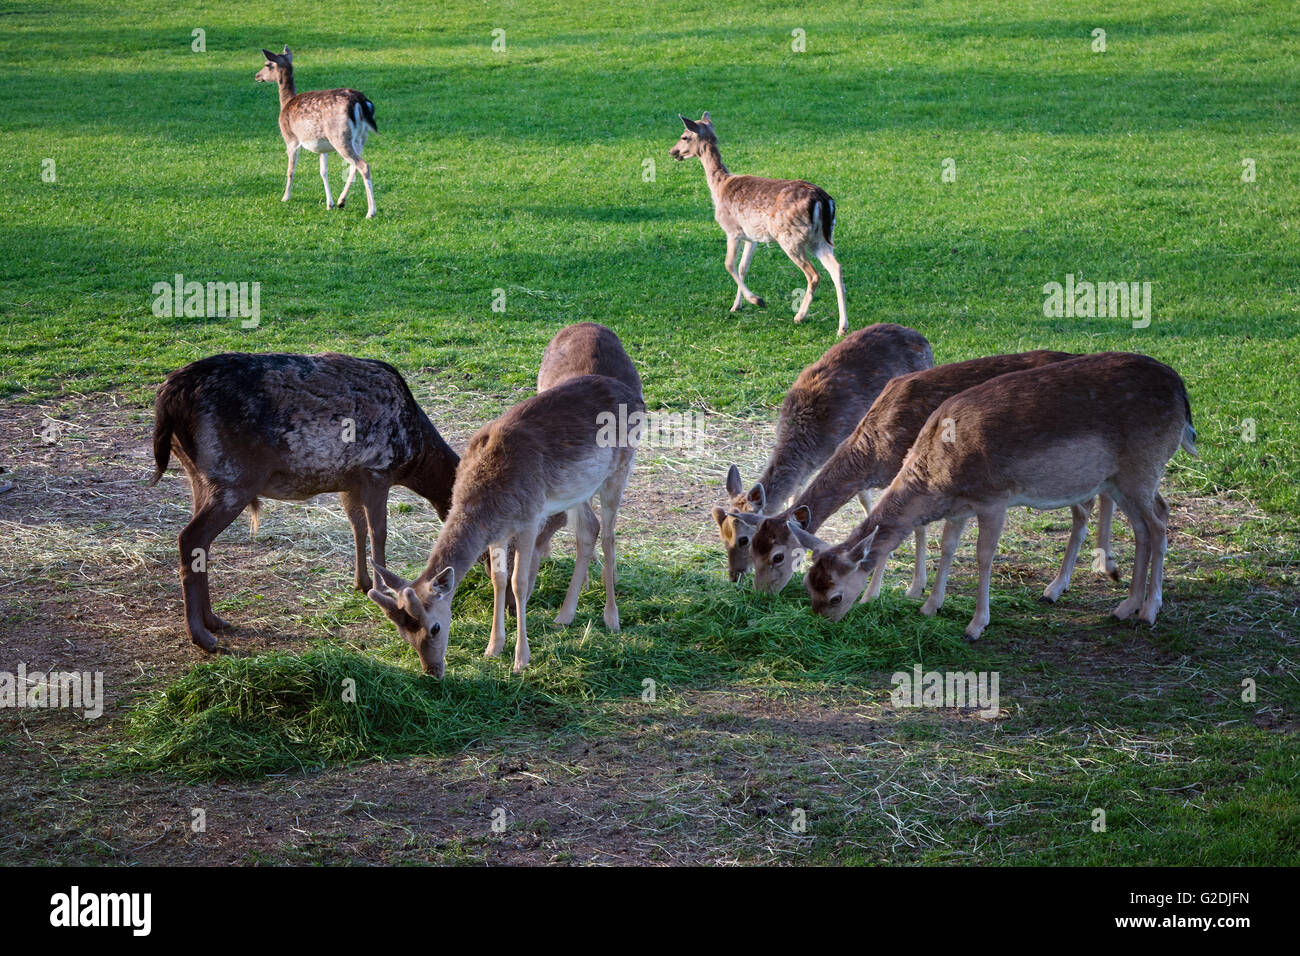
(375, 498)
(800, 258)
(198, 495)
(1159, 523)
(356, 512)
(288, 180)
(742, 290)
(325, 178)
(864, 498)
(353, 156)
(586, 528)
(347, 184)
(877, 582)
(1137, 516)
(523, 585)
(1103, 559)
(952, 531)
(611, 493)
(1078, 529)
(362, 165)
(827, 258)
(211, 517)
(986, 548)
(918, 567)
(499, 558)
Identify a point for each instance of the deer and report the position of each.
(583, 348)
(821, 408)
(546, 455)
(796, 215)
(324, 122)
(289, 427)
(1043, 438)
(873, 454)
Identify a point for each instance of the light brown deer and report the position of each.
(324, 122)
(872, 455)
(547, 455)
(290, 427)
(1044, 438)
(583, 348)
(796, 215)
(822, 407)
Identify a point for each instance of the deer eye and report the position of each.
(836, 599)
(435, 629)
(742, 541)
(778, 558)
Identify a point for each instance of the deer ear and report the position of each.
(719, 515)
(802, 516)
(389, 579)
(733, 480)
(270, 57)
(691, 125)
(444, 583)
(858, 553)
(747, 518)
(287, 54)
(807, 540)
(705, 119)
(410, 602)
(383, 600)
(758, 497)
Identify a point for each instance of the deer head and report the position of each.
(278, 66)
(838, 575)
(422, 612)
(693, 140)
(775, 544)
(738, 521)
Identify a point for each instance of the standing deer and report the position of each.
(546, 455)
(324, 122)
(873, 454)
(1044, 438)
(290, 427)
(822, 407)
(584, 348)
(797, 215)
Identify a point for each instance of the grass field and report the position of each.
(519, 177)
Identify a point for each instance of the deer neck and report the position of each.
(434, 472)
(715, 172)
(464, 537)
(904, 506)
(782, 477)
(287, 91)
(850, 470)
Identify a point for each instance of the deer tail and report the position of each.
(163, 428)
(1188, 440)
(367, 109)
(827, 205)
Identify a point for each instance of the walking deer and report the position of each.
(583, 348)
(324, 122)
(246, 427)
(873, 454)
(1043, 438)
(546, 455)
(797, 215)
(822, 407)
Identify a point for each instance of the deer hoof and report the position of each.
(215, 623)
(203, 639)
(758, 301)
(370, 215)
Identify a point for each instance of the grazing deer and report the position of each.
(872, 455)
(797, 215)
(290, 427)
(1043, 438)
(826, 401)
(547, 455)
(324, 122)
(583, 348)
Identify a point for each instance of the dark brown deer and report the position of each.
(821, 409)
(796, 215)
(584, 348)
(324, 122)
(545, 456)
(1043, 438)
(872, 455)
(290, 427)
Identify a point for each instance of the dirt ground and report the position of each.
(88, 581)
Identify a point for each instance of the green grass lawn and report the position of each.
(526, 171)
